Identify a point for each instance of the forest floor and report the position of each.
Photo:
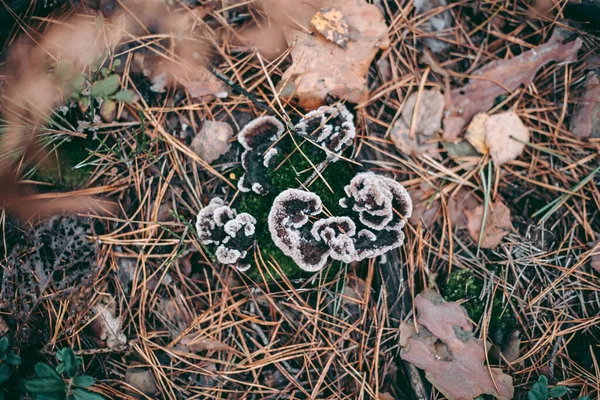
(101, 185)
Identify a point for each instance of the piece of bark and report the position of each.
(499, 77)
(586, 119)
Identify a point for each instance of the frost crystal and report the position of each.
(377, 201)
(329, 126)
(233, 233)
(257, 138)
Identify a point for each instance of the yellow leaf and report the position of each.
(330, 23)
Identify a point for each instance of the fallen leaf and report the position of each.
(194, 343)
(497, 224)
(416, 146)
(108, 110)
(429, 113)
(424, 209)
(435, 24)
(321, 67)
(201, 82)
(386, 396)
(499, 77)
(458, 150)
(476, 133)
(586, 118)
(3, 326)
(505, 136)
(330, 23)
(142, 379)
(459, 204)
(107, 326)
(445, 348)
(212, 141)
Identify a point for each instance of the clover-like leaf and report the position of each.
(557, 391)
(82, 394)
(83, 381)
(106, 87)
(126, 96)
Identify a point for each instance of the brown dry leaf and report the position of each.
(498, 77)
(424, 209)
(429, 113)
(586, 119)
(107, 326)
(476, 133)
(141, 379)
(212, 141)
(320, 67)
(445, 348)
(497, 224)
(459, 204)
(505, 136)
(194, 343)
(416, 146)
(386, 396)
(330, 23)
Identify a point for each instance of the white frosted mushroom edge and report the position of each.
(220, 225)
(373, 198)
(332, 126)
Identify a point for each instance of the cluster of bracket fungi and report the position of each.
(376, 207)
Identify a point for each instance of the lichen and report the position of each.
(289, 176)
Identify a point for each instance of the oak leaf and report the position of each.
(442, 343)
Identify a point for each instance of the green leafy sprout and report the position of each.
(8, 360)
(62, 382)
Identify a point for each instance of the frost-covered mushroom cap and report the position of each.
(233, 233)
(380, 204)
(331, 126)
(258, 138)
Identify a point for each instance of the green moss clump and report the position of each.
(59, 168)
(292, 169)
(463, 285)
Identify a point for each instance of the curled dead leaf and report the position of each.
(321, 67)
(444, 346)
(586, 119)
(498, 77)
(476, 133)
(497, 224)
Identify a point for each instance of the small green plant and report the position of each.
(49, 383)
(105, 85)
(540, 391)
(8, 360)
